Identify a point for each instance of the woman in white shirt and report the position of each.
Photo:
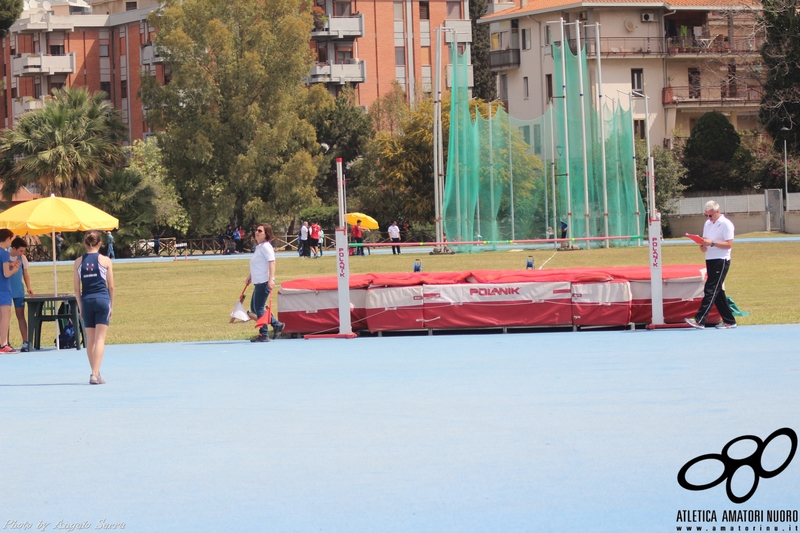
(262, 276)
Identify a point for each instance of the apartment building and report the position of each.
(687, 56)
(370, 44)
(103, 46)
(58, 43)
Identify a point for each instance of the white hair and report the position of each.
(711, 205)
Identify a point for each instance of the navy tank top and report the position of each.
(93, 277)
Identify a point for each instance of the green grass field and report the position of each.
(192, 300)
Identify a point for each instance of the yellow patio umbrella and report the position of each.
(366, 221)
(52, 214)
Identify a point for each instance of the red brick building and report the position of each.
(104, 46)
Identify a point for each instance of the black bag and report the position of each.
(66, 337)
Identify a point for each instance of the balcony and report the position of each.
(724, 95)
(36, 64)
(339, 28)
(150, 55)
(504, 59)
(26, 103)
(611, 47)
(353, 72)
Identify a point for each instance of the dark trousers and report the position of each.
(395, 247)
(714, 294)
(359, 249)
(258, 303)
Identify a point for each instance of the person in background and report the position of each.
(302, 246)
(110, 249)
(59, 242)
(321, 241)
(262, 276)
(237, 239)
(10, 267)
(394, 234)
(313, 239)
(156, 242)
(717, 244)
(93, 281)
(17, 252)
(357, 233)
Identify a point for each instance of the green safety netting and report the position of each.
(508, 179)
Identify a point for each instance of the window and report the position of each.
(537, 139)
(167, 76)
(525, 131)
(637, 80)
(525, 93)
(728, 88)
(549, 86)
(548, 36)
(105, 86)
(322, 54)
(398, 11)
(13, 92)
(453, 10)
(344, 54)
(503, 89)
(526, 39)
(514, 34)
(497, 41)
(638, 129)
(694, 83)
(424, 11)
(103, 50)
(123, 90)
(400, 56)
(130, 6)
(56, 49)
(57, 86)
(342, 9)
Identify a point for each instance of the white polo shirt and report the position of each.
(259, 263)
(394, 231)
(721, 230)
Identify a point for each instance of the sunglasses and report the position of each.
(259, 230)
(710, 216)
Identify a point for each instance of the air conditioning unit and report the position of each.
(583, 15)
(648, 16)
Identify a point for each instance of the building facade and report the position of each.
(60, 44)
(105, 45)
(687, 57)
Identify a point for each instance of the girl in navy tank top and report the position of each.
(94, 288)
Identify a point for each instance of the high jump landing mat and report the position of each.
(570, 432)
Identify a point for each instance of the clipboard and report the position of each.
(696, 238)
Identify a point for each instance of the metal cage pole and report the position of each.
(602, 109)
(583, 131)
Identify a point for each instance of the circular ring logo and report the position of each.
(732, 465)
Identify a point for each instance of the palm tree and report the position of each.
(66, 147)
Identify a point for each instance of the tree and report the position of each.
(231, 138)
(125, 195)
(343, 127)
(669, 173)
(485, 80)
(711, 155)
(66, 147)
(146, 161)
(10, 10)
(780, 105)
